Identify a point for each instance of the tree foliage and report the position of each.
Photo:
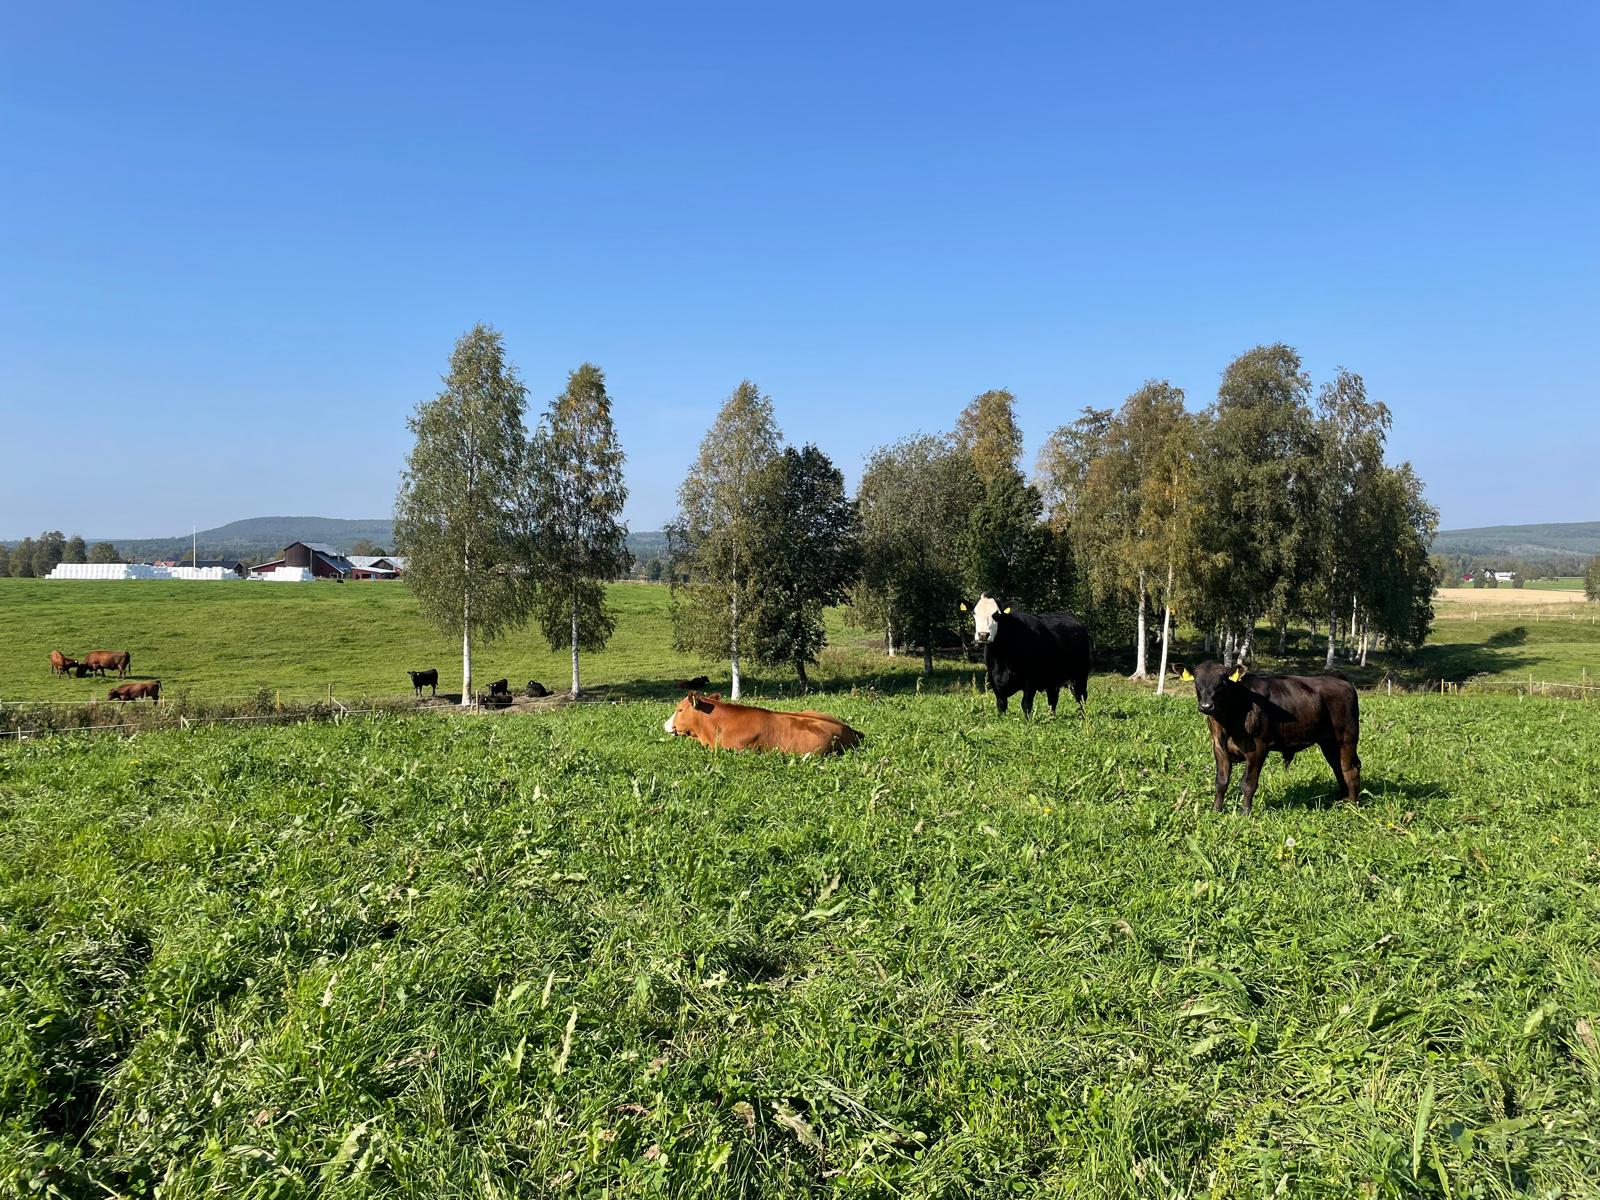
(916, 498)
(456, 516)
(806, 555)
(1591, 579)
(717, 529)
(575, 498)
(987, 430)
(103, 552)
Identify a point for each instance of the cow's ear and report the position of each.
(1238, 673)
(963, 606)
(1186, 677)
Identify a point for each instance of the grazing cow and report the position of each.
(1031, 652)
(81, 670)
(424, 679)
(60, 664)
(714, 722)
(101, 661)
(500, 687)
(537, 689)
(698, 684)
(1252, 715)
(149, 689)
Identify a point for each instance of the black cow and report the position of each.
(537, 689)
(422, 679)
(1031, 652)
(1252, 715)
(500, 687)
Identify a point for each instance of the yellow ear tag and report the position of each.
(1008, 609)
(1186, 677)
(1238, 674)
(963, 606)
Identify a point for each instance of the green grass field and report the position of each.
(567, 955)
(233, 639)
(1566, 583)
(564, 954)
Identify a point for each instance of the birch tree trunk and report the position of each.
(1333, 627)
(733, 685)
(466, 630)
(888, 636)
(1139, 653)
(1166, 634)
(466, 650)
(574, 646)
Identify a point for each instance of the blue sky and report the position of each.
(236, 244)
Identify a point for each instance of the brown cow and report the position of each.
(714, 722)
(101, 661)
(60, 664)
(149, 689)
(1252, 715)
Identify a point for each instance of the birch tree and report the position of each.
(914, 501)
(714, 538)
(575, 498)
(1350, 432)
(456, 515)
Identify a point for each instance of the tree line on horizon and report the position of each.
(1273, 505)
(34, 558)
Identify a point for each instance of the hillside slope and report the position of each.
(1522, 541)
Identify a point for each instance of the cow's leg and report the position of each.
(1001, 700)
(1052, 694)
(1350, 772)
(1224, 774)
(1027, 702)
(1252, 775)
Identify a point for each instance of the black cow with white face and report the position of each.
(1031, 652)
(1252, 715)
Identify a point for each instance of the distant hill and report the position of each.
(1531, 542)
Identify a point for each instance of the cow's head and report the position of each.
(985, 618)
(689, 712)
(1211, 683)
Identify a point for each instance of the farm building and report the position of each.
(316, 559)
(382, 566)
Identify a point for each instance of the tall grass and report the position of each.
(405, 956)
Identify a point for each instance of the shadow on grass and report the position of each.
(1325, 793)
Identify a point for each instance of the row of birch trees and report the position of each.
(1272, 507)
(504, 525)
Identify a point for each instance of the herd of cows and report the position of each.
(1249, 715)
(98, 662)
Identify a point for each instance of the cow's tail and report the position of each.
(127, 662)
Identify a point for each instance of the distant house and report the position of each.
(321, 560)
(384, 566)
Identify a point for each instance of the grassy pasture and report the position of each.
(227, 639)
(566, 955)
(1565, 583)
(231, 639)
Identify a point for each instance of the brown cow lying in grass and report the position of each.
(714, 722)
(150, 689)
